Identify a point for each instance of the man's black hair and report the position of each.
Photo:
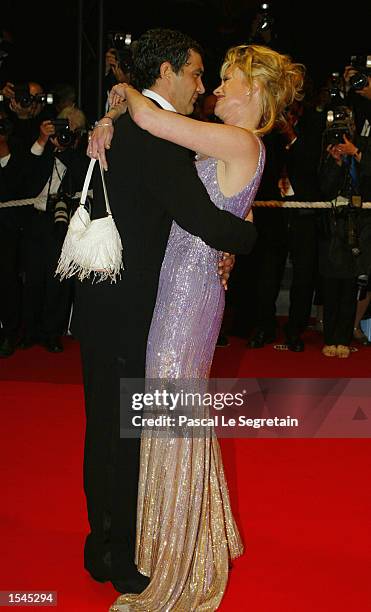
(156, 46)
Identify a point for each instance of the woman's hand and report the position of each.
(101, 136)
(117, 94)
(100, 139)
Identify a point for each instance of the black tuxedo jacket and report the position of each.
(303, 157)
(150, 183)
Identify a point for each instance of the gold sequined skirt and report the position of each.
(186, 533)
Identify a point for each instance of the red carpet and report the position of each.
(303, 506)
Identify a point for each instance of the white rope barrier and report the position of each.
(39, 202)
(290, 204)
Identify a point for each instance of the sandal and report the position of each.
(342, 351)
(329, 350)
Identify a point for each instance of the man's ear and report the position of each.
(166, 70)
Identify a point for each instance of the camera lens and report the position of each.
(64, 137)
(25, 101)
(358, 81)
(61, 212)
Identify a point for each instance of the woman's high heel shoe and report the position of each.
(329, 350)
(342, 351)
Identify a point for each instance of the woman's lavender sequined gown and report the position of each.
(190, 299)
(186, 533)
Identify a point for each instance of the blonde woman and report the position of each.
(186, 533)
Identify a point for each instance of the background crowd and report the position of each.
(318, 157)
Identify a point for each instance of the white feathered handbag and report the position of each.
(91, 246)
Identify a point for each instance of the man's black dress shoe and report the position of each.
(7, 347)
(261, 338)
(27, 341)
(53, 344)
(130, 580)
(294, 343)
(134, 584)
(98, 577)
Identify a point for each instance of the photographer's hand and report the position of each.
(47, 129)
(348, 148)
(119, 74)
(16, 108)
(111, 60)
(8, 90)
(335, 153)
(349, 71)
(113, 65)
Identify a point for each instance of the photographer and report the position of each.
(118, 62)
(27, 104)
(59, 165)
(13, 167)
(114, 72)
(345, 243)
(357, 78)
(289, 232)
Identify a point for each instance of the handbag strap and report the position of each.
(87, 183)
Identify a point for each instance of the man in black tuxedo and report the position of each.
(150, 183)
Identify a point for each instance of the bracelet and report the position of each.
(107, 117)
(104, 125)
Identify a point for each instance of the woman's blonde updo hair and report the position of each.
(280, 79)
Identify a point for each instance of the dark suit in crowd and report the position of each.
(289, 232)
(13, 178)
(47, 300)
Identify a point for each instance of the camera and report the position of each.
(336, 89)
(339, 123)
(22, 95)
(59, 204)
(61, 211)
(121, 43)
(65, 137)
(25, 99)
(262, 26)
(362, 63)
